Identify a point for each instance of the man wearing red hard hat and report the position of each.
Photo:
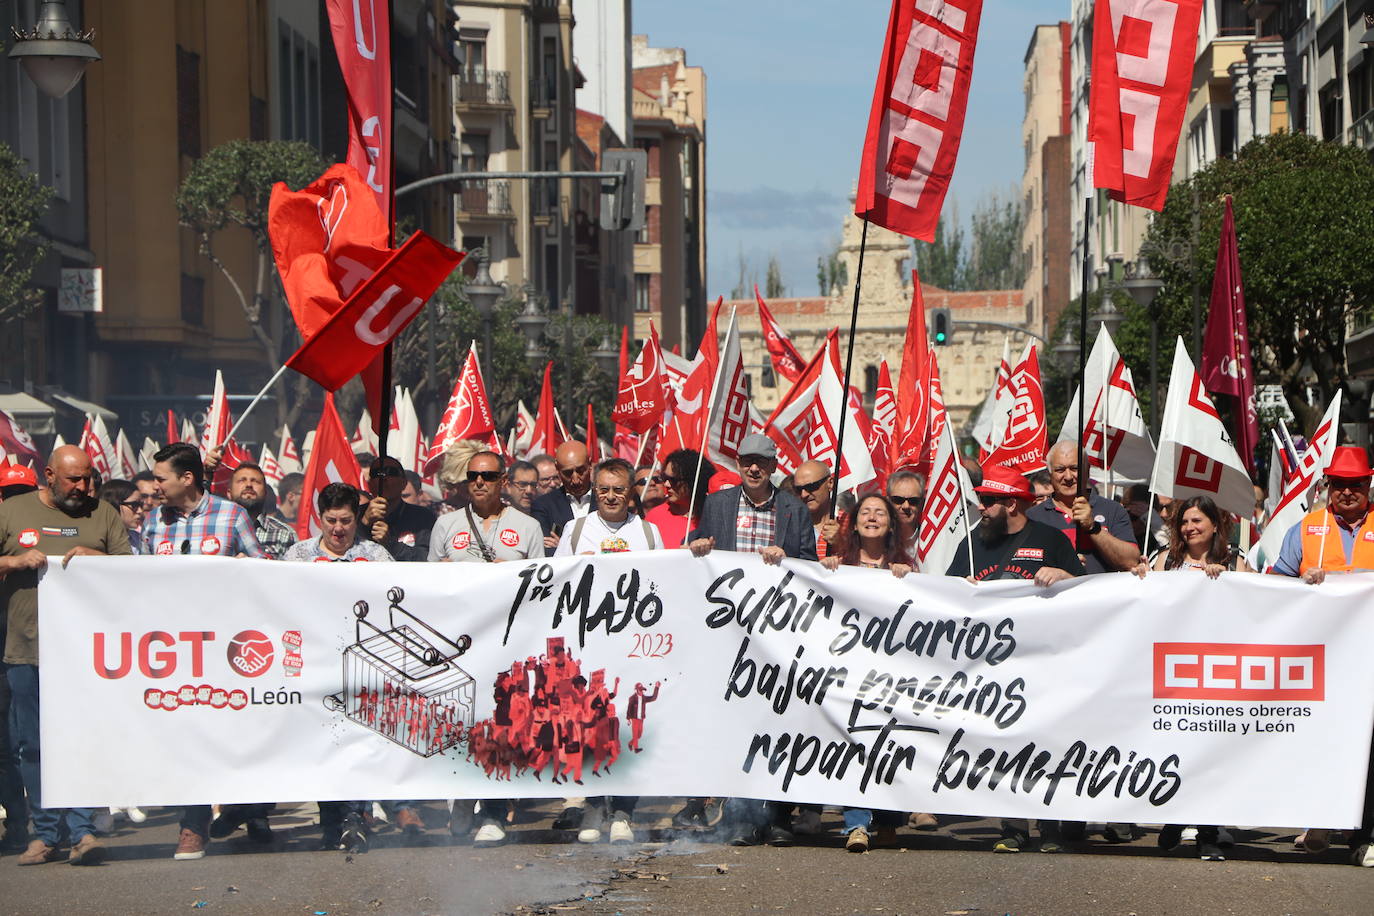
(16, 480)
(1338, 537)
(1009, 545)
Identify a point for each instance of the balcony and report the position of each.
(1362, 131)
(484, 199)
(543, 96)
(482, 90)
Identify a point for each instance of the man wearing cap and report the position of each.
(16, 480)
(755, 517)
(1310, 551)
(1099, 528)
(1010, 545)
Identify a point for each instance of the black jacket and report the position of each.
(793, 531)
(552, 510)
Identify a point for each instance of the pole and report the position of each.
(1154, 367)
(705, 442)
(848, 373)
(1083, 344)
(254, 403)
(1197, 302)
(383, 421)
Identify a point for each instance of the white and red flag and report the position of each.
(1196, 456)
(128, 461)
(641, 400)
(806, 423)
(14, 440)
(884, 421)
(787, 362)
(1299, 486)
(1116, 440)
(234, 455)
(95, 442)
(288, 456)
(911, 433)
(548, 431)
(364, 440)
(467, 416)
(1226, 365)
(524, 430)
(146, 453)
(1023, 447)
(991, 425)
(331, 461)
(945, 527)
(692, 383)
(218, 421)
(1142, 73)
(917, 119)
(729, 407)
(271, 468)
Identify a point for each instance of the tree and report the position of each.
(1304, 217)
(994, 259)
(229, 188)
(23, 203)
(772, 281)
(832, 274)
(744, 285)
(941, 262)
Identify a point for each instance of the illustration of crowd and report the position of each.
(549, 717)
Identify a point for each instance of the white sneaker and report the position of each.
(379, 813)
(589, 835)
(1189, 835)
(621, 832)
(136, 815)
(1364, 856)
(807, 822)
(489, 834)
(103, 823)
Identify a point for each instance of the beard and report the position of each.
(72, 503)
(253, 506)
(993, 529)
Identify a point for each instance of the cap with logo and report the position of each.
(1349, 461)
(16, 475)
(1003, 481)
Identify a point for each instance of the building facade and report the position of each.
(1044, 184)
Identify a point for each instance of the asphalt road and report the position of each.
(947, 873)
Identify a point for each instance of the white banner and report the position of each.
(1174, 699)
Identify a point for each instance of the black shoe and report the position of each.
(331, 840)
(748, 836)
(1209, 852)
(691, 817)
(1118, 833)
(779, 836)
(259, 831)
(570, 818)
(354, 835)
(1170, 835)
(460, 819)
(230, 819)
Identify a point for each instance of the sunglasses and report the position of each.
(385, 471)
(990, 499)
(133, 505)
(905, 500)
(488, 476)
(814, 485)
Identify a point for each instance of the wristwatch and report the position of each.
(1096, 527)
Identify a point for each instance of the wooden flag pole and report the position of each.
(1083, 346)
(848, 373)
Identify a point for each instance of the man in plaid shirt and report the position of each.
(248, 488)
(192, 521)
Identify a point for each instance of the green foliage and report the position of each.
(232, 184)
(941, 262)
(23, 203)
(1304, 218)
(772, 281)
(992, 257)
(832, 274)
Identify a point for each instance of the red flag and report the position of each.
(234, 455)
(1023, 447)
(625, 350)
(787, 362)
(362, 40)
(944, 528)
(547, 436)
(171, 429)
(1142, 74)
(593, 443)
(218, 421)
(15, 440)
(641, 399)
(688, 429)
(911, 431)
(331, 461)
(917, 119)
(467, 416)
(1226, 365)
(376, 312)
(884, 422)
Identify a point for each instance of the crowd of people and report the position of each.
(1043, 528)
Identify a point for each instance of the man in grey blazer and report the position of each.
(755, 517)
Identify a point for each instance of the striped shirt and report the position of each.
(755, 526)
(215, 527)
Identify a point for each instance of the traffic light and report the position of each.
(941, 327)
(622, 200)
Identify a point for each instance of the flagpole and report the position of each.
(384, 407)
(849, 371)
(963, 497)
(1083, 346)
(253, 403)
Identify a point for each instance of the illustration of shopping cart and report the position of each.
(403, 682)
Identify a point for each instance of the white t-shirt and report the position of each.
(515, 536)
(597, 536)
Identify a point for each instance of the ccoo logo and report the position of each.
(250, 653)
(1234, 671)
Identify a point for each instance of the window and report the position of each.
(642, 298)
(192, 300)
(475, 151)
(298, 86)
(188, 103)
(474, 59)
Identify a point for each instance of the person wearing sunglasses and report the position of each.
(906, 492)
(814, 486)
(485, 530)
(408, 526)
(648, 490)
(681, 508)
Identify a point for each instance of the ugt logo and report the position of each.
(250, 653)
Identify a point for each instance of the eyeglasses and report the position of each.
(988, 500)
(524, 484)
(133, 505)
(905, 500)
(386, 470)
(488, 476)
(1348, 483)
(749, 461)
(670, 480)
(645, 481)
(607, 491)
(814, 485)
(550, 480)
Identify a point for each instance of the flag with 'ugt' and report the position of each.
(1023, 447)
(467, 416)
(917, 119)
(641, 400)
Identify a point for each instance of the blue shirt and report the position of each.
(1290, 554)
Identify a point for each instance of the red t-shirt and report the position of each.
(674, 528)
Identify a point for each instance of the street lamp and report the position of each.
(484, 293)
(606, 355)
(54, 54)
(533, 321)
(1144, 288)
(1066, 355)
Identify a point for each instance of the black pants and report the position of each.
(11, 783)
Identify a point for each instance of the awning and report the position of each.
(84, 407)
(31, 413)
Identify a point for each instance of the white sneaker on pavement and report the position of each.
(621, 832)
(489, 834)
(1188, 835)
(136, 815)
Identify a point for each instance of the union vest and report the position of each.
(1322, 524)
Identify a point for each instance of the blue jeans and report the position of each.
(47, 822)
(863, 817)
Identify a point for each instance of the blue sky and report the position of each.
(788, 90)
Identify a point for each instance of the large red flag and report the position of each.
(917, 119)
(16, 441)
(378, 310)
(467, 416)
(593, 443)
(692, 401)
(787, 362)
(362, 40)
(331, 461)
(1142, 74)
(547, 432)
(911, 431)
(1226, 366)
(641, 400)
(218, 421)
(1023, 447)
